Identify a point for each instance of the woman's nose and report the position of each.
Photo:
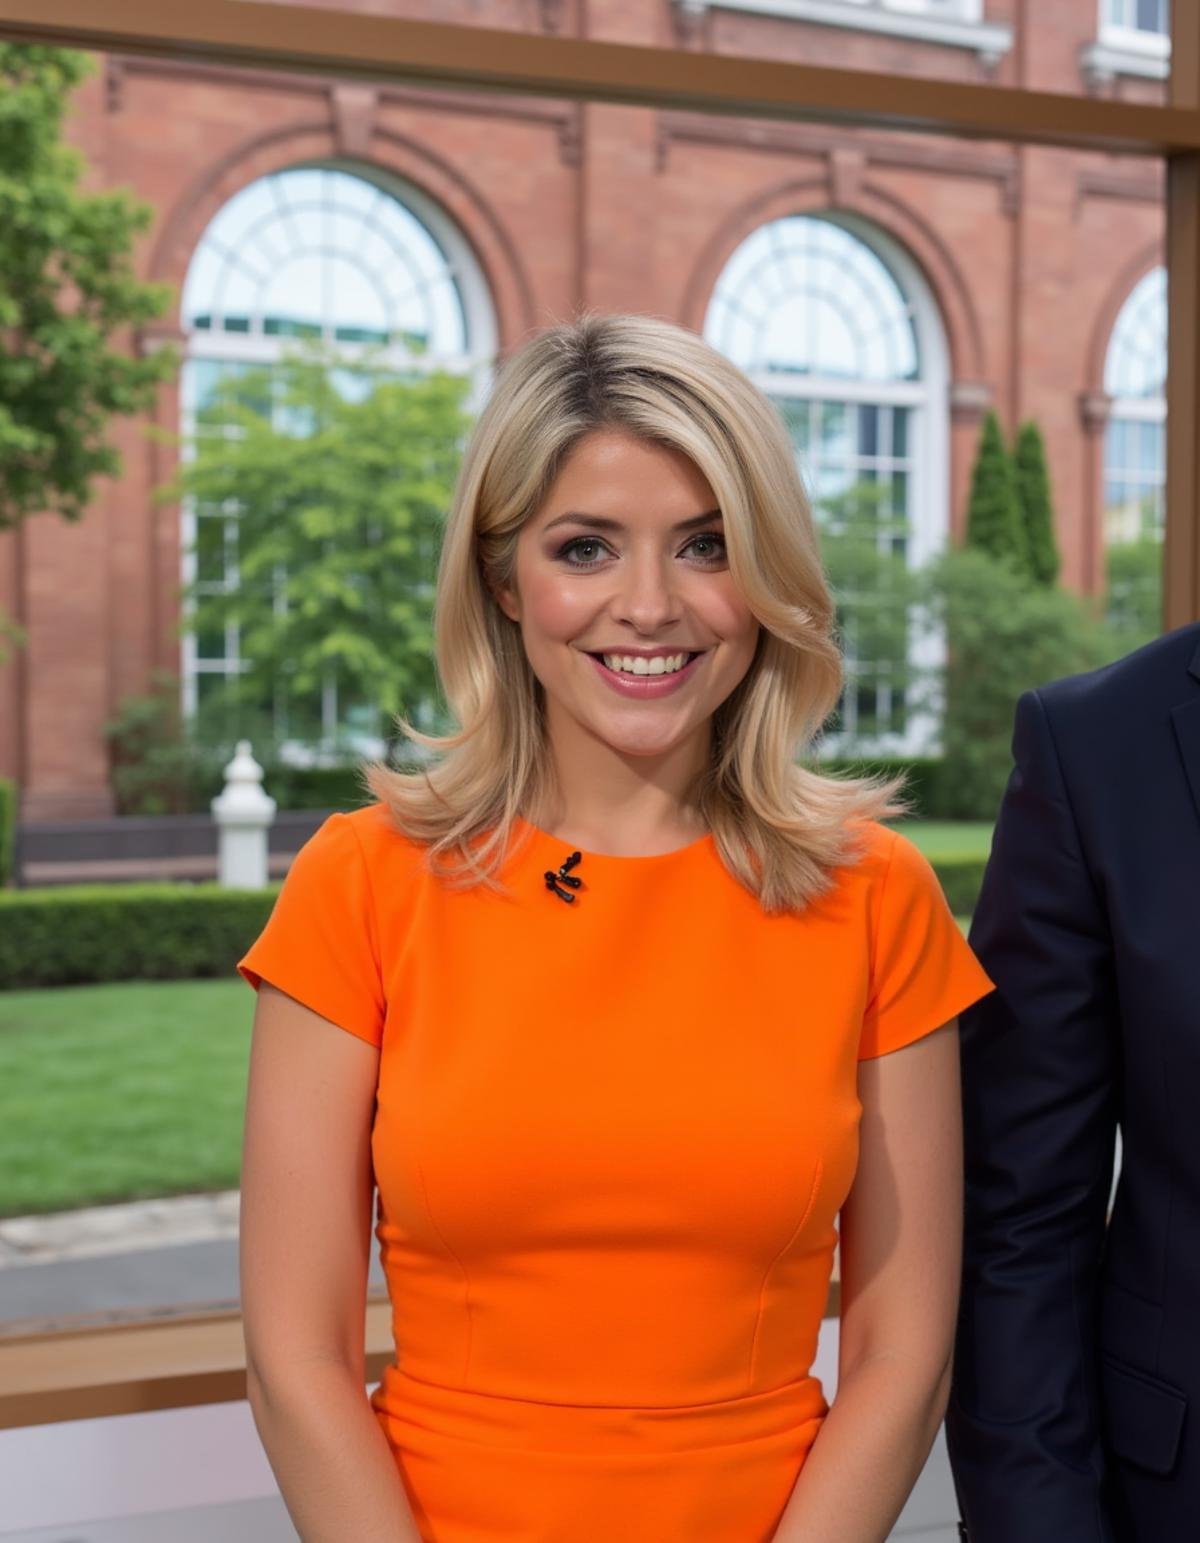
(647, 595)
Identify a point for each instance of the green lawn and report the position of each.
(121, 1091)
(949, 838)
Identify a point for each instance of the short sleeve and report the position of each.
(320, 943)
(923, 972)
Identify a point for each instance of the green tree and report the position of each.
(339, 478)
(1004, 635)
(1134, 592)
(67, 295)
(1037, 508)
(862, 551)
(994, 522)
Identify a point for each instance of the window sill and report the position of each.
(87, 1372)
(1102, 61)
(987, 40)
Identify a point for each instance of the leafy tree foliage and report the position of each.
(1133, 601)
(995, 525)
(1037, 507)
(67, 295)
(1005, 635)
(868, 574)
(339, 478)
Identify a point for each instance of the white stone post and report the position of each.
(244, 814)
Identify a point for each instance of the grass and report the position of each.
(121, 1091)
(949, 838)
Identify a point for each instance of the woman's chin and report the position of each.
(641, 739)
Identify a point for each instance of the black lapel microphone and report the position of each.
(564, 876)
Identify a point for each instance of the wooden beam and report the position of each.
(129, 1368)
(380, 48)
(171, 1362)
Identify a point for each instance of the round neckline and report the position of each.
(701, 843)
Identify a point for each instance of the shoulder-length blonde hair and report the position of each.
(779, 828)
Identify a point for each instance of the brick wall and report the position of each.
(1026, 252)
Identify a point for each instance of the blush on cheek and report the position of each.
(555, 610)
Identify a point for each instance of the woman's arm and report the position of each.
(306, 1220)
(901, 1248)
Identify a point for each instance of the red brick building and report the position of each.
(885, 288)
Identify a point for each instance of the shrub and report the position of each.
(150, 762)
(961, 879)
(1005, 636)
(293, 787)
(8, 828)
(68, 936)
(1133, 600)
(923, 779)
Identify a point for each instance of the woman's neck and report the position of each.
(620, 802)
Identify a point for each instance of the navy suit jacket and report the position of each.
(1075, 1410)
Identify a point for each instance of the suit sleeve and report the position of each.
(320, 944)
(1038, 1059)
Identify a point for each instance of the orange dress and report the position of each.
(611, 1142)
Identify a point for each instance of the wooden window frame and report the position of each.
(195, 1356)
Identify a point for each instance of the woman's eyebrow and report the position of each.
(600, 522)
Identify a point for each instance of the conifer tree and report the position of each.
(995, 524)
(1037, 509)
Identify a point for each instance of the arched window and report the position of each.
(315, 252)
(1135, 373)
(835, 324)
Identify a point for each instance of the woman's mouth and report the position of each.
(634, 675)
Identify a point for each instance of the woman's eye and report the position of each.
(715, 546)
(587, 551)
(573, 546)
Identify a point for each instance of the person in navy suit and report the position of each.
(1075, 1409)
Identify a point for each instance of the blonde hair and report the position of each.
(779, 828)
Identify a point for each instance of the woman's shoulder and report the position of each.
(870, 850)
(881, 859)
(369, 836)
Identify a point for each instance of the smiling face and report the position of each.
(624, 564)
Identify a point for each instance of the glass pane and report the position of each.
(210, 550)
(867, 283)
(211, 642)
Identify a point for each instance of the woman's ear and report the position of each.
(506, 599)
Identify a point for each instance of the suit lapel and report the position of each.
(1186, 718)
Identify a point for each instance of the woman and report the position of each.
(635, 1006)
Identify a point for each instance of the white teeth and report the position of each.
(636, 665)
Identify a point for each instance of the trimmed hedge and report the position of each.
(923, 779)
(8, 827)
(960, 878)
(292, 787)
(73, 936)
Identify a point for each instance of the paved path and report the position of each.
(143, 1255)
(105, 1229)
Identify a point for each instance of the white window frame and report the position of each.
(220, 347)
(1133, 410)
(950, 23)
(928, 402)
(1120, 49)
